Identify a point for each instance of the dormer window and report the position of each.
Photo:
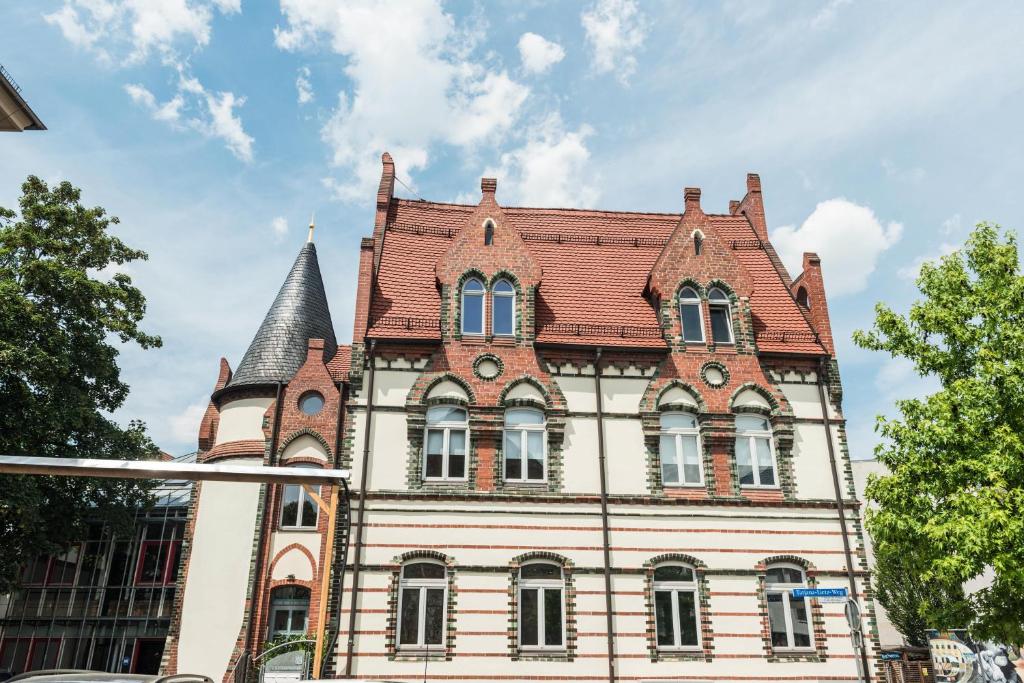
(473, 307)
(689, 312)
(503, 308)
(721, 318)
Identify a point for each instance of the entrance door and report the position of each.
(148, 652)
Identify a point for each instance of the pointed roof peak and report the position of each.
(299, 313)
(312, 226)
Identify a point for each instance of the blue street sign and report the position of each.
(819, 592)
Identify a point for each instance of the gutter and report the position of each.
(357, 562)
(604, 517)
(822, 369)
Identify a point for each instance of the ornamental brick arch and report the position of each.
(298, 434)
(820, 651)
(503, 399)
(652, 397)
(515, 652)
(451, 606)
(419, 395)
(777, 407)
(288, 549)
(707, 638)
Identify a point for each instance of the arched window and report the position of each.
(788, 616)
(525, 446)
(447, 429)
(689, 312)
(676, 607)
(802, 298)
(422, 602)
(298, 509)
(289, 611)
(541, 606)
(721, 319)
(698, 242)
(488, 233)
(755, 454)
(503, 308)
(680, 450)
(473, 307)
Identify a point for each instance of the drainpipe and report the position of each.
(339, 589)
(604, 518)
(257, 582)
(356, 564)
(840, 505)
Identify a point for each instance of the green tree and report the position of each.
(954, 498)
(59, 379)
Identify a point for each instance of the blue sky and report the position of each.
(213, 128)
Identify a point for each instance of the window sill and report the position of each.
(698, 486)
(540, 650)
(688, 650)
(759, 487)
(311, 529)
(525, 482)
(435, 480)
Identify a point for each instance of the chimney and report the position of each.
(314, 350)
(813, 286)
(385, 191)
(752, 206)
(488, 186)
(734, 205)
(691, 201)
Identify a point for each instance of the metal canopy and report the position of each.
(155, 469)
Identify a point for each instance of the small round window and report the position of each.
(311, 403)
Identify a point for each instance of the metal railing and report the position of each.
(10, 79)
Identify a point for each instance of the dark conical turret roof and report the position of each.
(299, 313)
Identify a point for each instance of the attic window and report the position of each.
(488, 233)
(698, 242)
(801, 298)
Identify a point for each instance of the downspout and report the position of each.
(840, 505)
(604, 518)
(339, 567)
(356, 563)
(257, 583)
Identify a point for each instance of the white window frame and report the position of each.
(446, 428)
(541, 585)
(675, 587)
(727, 305)
(494, 308)
(678, 433)
(751, 436)
(275, 609)
(785, 589)
(523, 459)
(483, 307)
(303, 496)
(421, 618)
(691, 301)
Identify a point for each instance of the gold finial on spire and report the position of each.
(312, 226)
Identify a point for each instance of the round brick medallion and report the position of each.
(488, 367)
(714, 374)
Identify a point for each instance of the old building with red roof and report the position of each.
(585, 445)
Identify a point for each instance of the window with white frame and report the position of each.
(446, 440)
(289, 611)
(422, 602)
(541, 606)
(503, 308)
(676, 607)
(788, 617)
(679, 450)
(690, 314)
(473, 306)
(298, 509)
(721, 318)
(755, 454)
(525, 446)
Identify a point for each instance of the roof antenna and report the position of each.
(312, 226)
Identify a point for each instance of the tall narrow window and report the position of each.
(473, 307)
(721, 319)
(541, 606)
(689, 312)
(676, 607)
(421, 605)
(788, 617)
(298, 509)
(755, 455)
(698, 242)
(524, 445)
(289, 611)
(488, 233)
(680, 450)
(446, 443)
(504, 308)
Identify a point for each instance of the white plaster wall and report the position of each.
(677, 395)
(391, 388)
(748, 397)
(358, 435)
(305, 447)
(804, 400)
(294, 561)
(579, 393)
(621, 395)
(389, 447)
(812, 470)
(625, 456)
(525, 390)
(447, 389)
(218, 575)
(242, 420)
(579, 456)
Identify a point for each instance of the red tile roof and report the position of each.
(595, 268)
(341, 363)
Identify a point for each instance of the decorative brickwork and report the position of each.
(819, 652)
(707, 637)
(515, 651)
(451, 608)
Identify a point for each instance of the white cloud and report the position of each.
(225, 124)
(184, 427)
(279, 226)
(615, 29)
(168, 112)
(414, 85)
(912, 175)
(911, 271)
(827, 14)
(550, 168)
(848, 238)
(304, 86)
(951, 225)
(538, 53)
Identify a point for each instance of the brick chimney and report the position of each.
(808, 290)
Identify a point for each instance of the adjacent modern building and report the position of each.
(15, 114)
(106, 603)
(585, 445)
